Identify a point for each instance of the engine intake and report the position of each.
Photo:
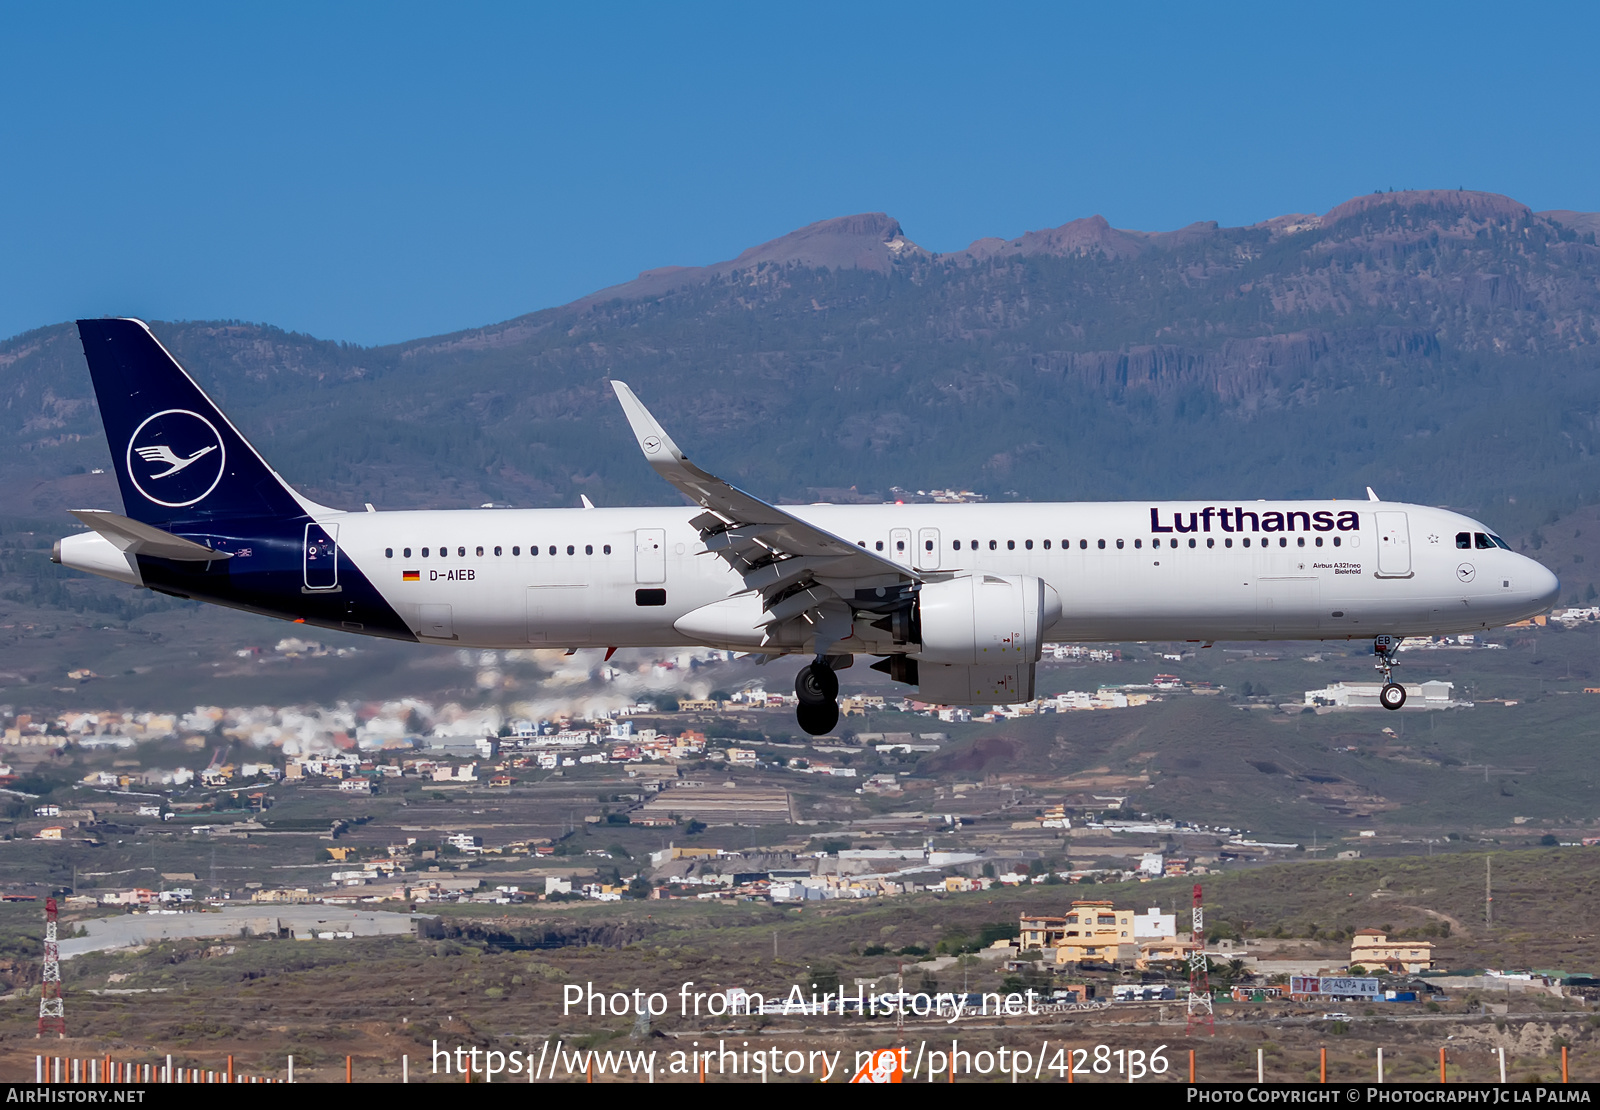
(985, 619)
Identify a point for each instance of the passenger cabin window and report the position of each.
(1011, 545)
(497, 550)
(955, 545)
(388, 553)
(899, 545)
(1119, 545)
(571, 550)
(1228, 542)
(974, 544)
(1464, 540)
(533, 549)
(606, 550)
(1299, 541)
(462, 552)
(878, 545)
(927, 545)
(406, 552)
(424, 552)
(1083, 545)
(1136, 543)
(516, 549)
(1484, 542)
(588, 549)
(1100, 543)
(480, 552)
(1028, 544)
(1336, 541)
(1047, 545)
(1210, 542)
(552, 549)
(1319, 541)
(1191, 541)
(1247, 541)
(993, 545)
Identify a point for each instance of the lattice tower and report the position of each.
(1199, 1008)
(52, 1007)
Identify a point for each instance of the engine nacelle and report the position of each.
(985, 619)
(957, 685)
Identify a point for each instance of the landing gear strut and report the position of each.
(1393, 695)
(817, 687)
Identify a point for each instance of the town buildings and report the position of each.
(1372, 949)
(1096, 931)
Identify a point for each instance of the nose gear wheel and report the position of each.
(1393, 695)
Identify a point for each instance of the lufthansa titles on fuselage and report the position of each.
(1269, 520)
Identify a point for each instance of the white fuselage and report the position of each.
(1124, 571)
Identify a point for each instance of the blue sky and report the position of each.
(378, 173)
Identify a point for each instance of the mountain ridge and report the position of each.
(875, 240)
(1442, 345)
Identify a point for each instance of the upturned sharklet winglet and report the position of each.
(782, 533)
(776, 553)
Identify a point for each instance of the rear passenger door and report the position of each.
(650, 556)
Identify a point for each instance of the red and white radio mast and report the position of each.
(1199, 1008)
(52, 1012)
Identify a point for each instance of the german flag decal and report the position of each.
(410, 576)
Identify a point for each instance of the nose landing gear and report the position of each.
(817, 687)
(1393, 695)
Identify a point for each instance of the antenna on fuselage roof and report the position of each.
(1372, 496)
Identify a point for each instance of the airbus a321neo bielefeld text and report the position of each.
(953, 599)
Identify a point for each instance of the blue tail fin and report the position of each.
(177, 457)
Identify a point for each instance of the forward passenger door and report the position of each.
(1394, 545)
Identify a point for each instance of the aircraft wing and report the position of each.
(775, 551)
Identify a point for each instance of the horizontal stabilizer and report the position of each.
(136, 538)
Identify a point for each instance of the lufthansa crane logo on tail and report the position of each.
(176, 458)
(163, 454)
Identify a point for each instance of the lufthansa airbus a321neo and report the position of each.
(954, 599)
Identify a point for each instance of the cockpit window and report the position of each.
(1464, 540)
(1484, 542)
(1500, 543)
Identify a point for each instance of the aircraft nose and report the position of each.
(1545, 587)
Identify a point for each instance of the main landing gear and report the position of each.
(1393, 695)
(817, 687)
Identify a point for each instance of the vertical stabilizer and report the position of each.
(177, 457)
